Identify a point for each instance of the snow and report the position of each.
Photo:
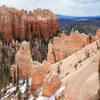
(21, 82)
(59, 91)
(8, 93)
(4, 97)
(23, 88)
(52, 97)
(31, 98)
(30, 81)
(42, 98)
(11, 90)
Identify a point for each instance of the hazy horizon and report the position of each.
(62, 7)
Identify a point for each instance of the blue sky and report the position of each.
(64, 7)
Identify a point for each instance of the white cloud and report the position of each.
(68, 7)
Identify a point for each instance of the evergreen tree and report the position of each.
(18, 78)
(99, 81)
(90, 38)
(14, 76)
(58, 69)
(5, 71)
(19, 96)
(0, 78)
(27, 88)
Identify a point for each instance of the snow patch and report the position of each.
(52, 97)
(23, 88)
(31, 98)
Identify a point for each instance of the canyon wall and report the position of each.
(21, 25)
(79, 73)
(29, 68)
(63, 45)
(35, 70)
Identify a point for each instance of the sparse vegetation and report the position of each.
(27, 88)
(99, 80)
(61, 97)
(90, 38)
(79, 61)
(5, 77)
(76, 65)
(98, 47)
(58, 71)
(87, 54)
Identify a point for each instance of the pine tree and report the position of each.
(99, 81)
(27, 88)
(5, 71)
(18, 78)
(90, 38)
(0, 78)
(14, 76)
(58, 69)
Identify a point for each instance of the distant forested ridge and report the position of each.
(83, 24)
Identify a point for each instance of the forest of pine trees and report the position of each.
(5, 77)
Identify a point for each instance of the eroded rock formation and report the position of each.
(50, 86)
(97, 34)
(28, 68)
(62, 46)
(79, 74)
(20, 25)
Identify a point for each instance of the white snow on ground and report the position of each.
(43, 98)
(30, 81)
(52, 97)
(4, 97)
(22, 89)
(11, 90)
(8, 93)
(31, 98)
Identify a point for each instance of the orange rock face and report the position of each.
(38, 74)
(63, 45)
(15, 24)
(27, 67)
(97, 34)
(50, 86)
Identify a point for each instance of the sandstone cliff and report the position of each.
(79, 73)
(63, 45)
(20, 25)
(27, 67)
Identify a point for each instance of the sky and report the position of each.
(63, 7)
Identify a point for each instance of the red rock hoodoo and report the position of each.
(97, 34)
(20, 25)
(27, 67)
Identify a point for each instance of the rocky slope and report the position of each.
(27, 67)
(79, 73)
(72, 61)
(75, 72)
(20, 25)
(63, 45)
